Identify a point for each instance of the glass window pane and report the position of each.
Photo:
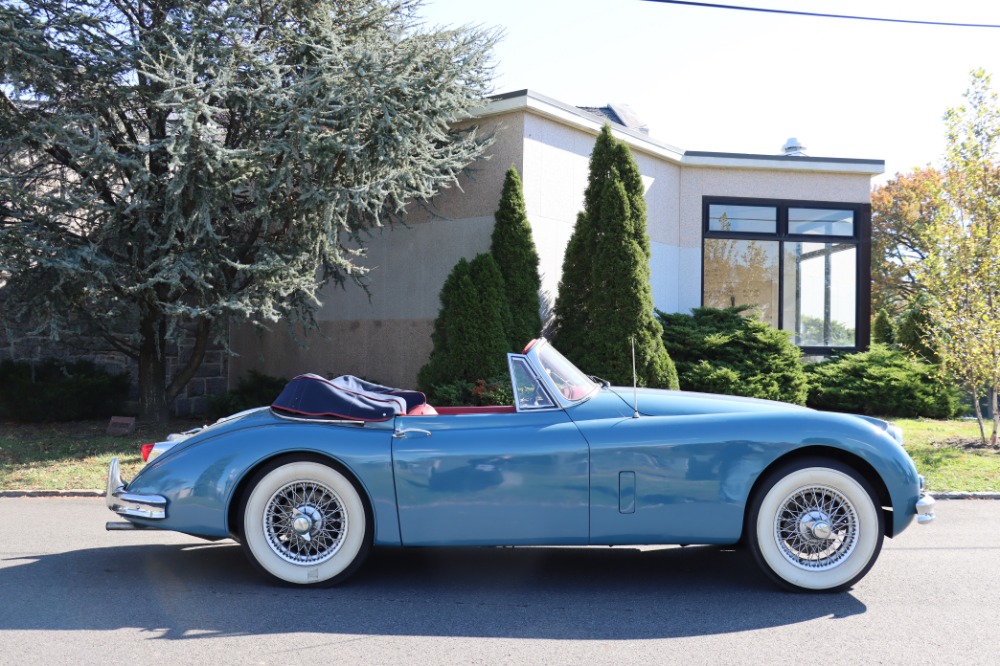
(528, 393)
(742, 272)
(820, 293)
(743, 219)
(820, 222)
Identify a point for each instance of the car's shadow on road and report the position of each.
(192, 591)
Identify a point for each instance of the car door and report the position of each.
(494, 476)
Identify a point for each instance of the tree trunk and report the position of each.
(979, 415)
(995, 414)
(153, 405)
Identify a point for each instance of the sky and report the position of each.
(734, 81)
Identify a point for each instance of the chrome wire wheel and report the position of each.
(305, 522)
(816, 528)
(815, 525)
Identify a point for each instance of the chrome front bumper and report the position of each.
(925, 510)
(132, 505)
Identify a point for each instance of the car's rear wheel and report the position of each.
(815, 525)
(305, 523)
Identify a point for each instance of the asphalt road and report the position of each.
(71, 593)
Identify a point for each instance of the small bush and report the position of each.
(721, 351)
(56, 390)
(482, 392)
(881, 382)
(254, 390)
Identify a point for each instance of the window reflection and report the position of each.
(820, 293)
(742, 219)
(742, 272)
(528, 393)
(820, 222)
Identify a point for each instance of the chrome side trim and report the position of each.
(131, 504)
(925, 510)
(303, 419)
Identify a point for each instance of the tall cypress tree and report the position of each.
(470, 332)
(513, 248)
(605, 298)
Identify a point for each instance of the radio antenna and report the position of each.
(635, 384)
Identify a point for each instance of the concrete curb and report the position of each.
(950, 495)
(961, 495)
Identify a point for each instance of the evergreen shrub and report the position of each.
(513, 248)
(605, 299)
(883, 330)
(471, 331)
(881, 382)
(256, 389)
(914, 333)
(55, 390)
(722, 351)
(480, 393)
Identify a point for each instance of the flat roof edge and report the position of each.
(529, 101)
(797, 162)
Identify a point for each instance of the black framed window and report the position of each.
(803, 266)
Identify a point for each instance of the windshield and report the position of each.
(572, 384)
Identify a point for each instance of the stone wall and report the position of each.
(18, 344)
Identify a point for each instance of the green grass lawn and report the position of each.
(75, 456)
(70, 456)
(944, 464)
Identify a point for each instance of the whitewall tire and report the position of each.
(305, 523)
(815, 525)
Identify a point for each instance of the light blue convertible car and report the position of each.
(309, 484)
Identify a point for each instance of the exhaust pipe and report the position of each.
(125, 526)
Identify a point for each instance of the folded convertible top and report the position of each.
(345, 397)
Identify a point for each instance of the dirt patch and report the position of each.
(966, 444)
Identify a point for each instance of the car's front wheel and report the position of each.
(815, 525)
(305, 523)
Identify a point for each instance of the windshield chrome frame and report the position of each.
(536, 365)
(542, 386)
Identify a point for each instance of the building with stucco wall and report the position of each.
(788, 234)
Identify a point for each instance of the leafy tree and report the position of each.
(961, 273)
(900, 211)
(723, 351)
(513, 248)
(471, 330)
(173, 163)
(604, 296)
(881, 382)
(883, 331)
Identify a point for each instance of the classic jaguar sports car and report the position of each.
(309, 484)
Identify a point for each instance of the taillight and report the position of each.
(146, 450)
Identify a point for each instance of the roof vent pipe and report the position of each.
(793, 148)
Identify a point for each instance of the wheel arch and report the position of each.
(233, 521)
(855, 462)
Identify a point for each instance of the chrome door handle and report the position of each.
(400, 434)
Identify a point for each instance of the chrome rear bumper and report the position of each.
(126, 504)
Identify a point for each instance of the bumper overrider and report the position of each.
(131, 505)
(925, 506)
